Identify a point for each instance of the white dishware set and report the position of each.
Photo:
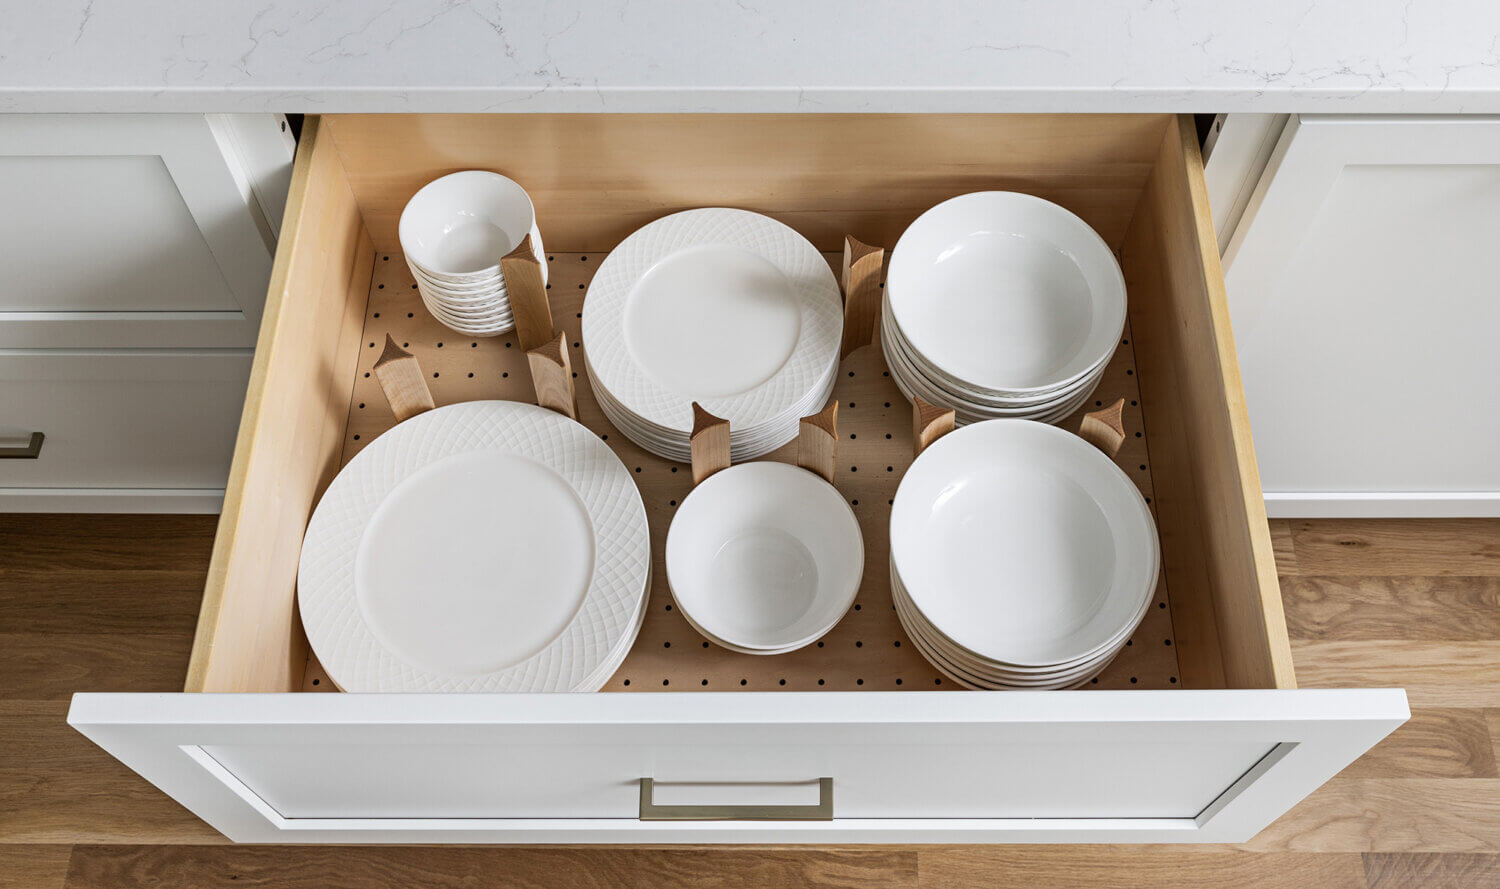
(499, 546)
(726, 308)
(1001, 305)
(454, 232)
(487, 546)
(1021, 556)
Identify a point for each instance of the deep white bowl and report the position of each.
(766, 557)
(456, 227)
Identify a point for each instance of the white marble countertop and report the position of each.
(1361, 56)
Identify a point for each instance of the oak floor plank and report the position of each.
(1381, 547)
(498, 867)
(109, 542)
(53, 666)
(1455, 609)
(1435, 743)
(1284, 548)
(33, 867)
(1409, 870)
(1391, 815)
(98, 600)
(1434, 674)
(1076, 867)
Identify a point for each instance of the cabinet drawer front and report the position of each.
(120, 419)
(1185, 766)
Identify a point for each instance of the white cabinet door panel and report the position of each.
(136, 214)
(119, 420)
(1365, 294)
(1178, 766)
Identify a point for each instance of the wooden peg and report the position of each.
(861, 283)
(709, 444)
(928, 424)
(1105, 428)
(818, 440)
(552, 376)
(527, 293)
(400, 378)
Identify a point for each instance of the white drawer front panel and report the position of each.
(879, 771)
(122, 419)
(917, 766)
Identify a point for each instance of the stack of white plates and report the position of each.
(1000, 304)
(1021, 556)
(727, 308)
(454, 232)
(489, 546)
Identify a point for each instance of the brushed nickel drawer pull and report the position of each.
(28, 451)
(822, 810)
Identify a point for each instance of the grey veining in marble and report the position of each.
(1398, 56)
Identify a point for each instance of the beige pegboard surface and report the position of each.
(868, 649)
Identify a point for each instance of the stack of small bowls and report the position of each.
(454, 232)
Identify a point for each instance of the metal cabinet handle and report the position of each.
(822, 810)
(28, 451)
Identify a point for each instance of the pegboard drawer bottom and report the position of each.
(868, 650)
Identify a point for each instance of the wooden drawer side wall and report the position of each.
(249, 636)
(1226, 602)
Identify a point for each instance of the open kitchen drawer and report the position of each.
(1196, 734)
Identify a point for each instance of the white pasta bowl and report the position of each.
(764, 558)
(1005, 294)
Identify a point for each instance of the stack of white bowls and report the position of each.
(1021, 556)
(454, 232)
(1000, 304)
(726, 308)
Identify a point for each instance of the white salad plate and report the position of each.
(764, 558)
(1021, 553)
(487, 546)
(728, 308)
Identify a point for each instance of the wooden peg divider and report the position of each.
(818, 440)
(552, 376)
(861, 282)
(1105, 428)
(928, 424)
(400, 378)
(709, 444)
(527, 293)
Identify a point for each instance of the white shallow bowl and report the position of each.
(1023, 544)
(1006, 292)
(456, 228)
(765, 557)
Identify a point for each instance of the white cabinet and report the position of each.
(260, 747)
(1363, 288)
(138, 251)
(148, 430)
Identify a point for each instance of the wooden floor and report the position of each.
(108, 603)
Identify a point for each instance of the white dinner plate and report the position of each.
(728, 308)
(1006, 292)
(1023, 543)
(488, 546)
